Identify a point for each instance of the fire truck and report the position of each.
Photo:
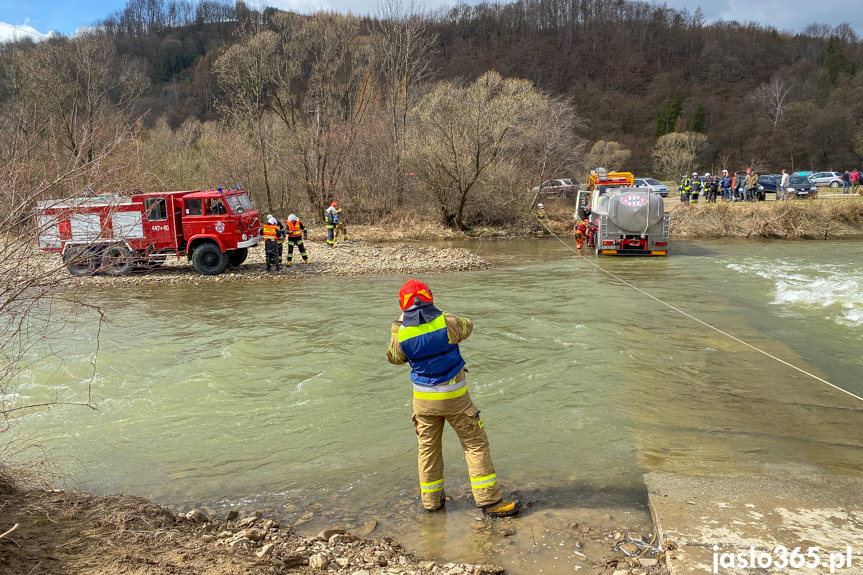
(628, 220)
(115, 234)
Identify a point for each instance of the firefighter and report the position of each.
(296, 234)
(339, 224)
(428, 339)
(273, 233)
(694, 188)
(540, 216)
(584, 230)
(330, 219)
(685, 189)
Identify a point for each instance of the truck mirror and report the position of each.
(239, 210)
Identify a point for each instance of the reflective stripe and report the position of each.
(407, 332)
(482, 482)
(431, 487)
(448, 391)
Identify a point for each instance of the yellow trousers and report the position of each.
(463, 416)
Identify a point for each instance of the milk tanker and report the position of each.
(628, 220)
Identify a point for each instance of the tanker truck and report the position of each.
(629, 220)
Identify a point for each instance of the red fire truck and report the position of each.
(114, 234)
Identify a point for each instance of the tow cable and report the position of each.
(693, 318)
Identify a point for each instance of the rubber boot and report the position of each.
(502, 508)
(306, 260)
(441, 507)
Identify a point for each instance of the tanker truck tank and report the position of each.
(628, 220)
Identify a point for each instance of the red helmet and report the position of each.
(334, 204)
(413, 292)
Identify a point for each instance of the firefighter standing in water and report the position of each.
(296, 234)
(273, 233)
(540, 216)
(584, 230)
(428, 339)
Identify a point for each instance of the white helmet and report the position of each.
(707, 174)
(694, 173)
(540, 206)
(271, 220)
(293, 218)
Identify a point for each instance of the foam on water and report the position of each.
(835, 288)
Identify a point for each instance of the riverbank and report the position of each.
(53, 532)
(821, 219)
(57, 532)
(345, 259)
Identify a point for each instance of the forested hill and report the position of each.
(617, 72)
(624, 63)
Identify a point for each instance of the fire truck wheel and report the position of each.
(238, 256)
(209, 260)
(117, 260)
(79, 261)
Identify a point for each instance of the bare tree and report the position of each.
(36, 302)
(401, 50)
(676, 153)
(246, 74)
(608, 154)
(82, 87)
(772, 98)
(462, 130)
(555, 148)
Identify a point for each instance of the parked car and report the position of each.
(560, 188)
(802, 187)
(767, 184)
(655, 186)
(832, 179)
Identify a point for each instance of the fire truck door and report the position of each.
(159, 227)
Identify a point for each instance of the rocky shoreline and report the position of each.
(57, 532)
(345, 259)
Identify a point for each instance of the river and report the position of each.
(277, 396)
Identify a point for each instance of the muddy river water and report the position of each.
(277, 396)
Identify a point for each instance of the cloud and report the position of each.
(10, 32)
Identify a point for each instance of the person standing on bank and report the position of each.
(428, 338)
(784, 183)
(296, 234)
(273, 232)
(330, 219)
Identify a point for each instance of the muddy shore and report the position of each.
(55, 532)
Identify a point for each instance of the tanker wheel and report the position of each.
(79, 261)
(238, 256)
(117, 260)
(209, 260)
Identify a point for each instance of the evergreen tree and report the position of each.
(669, 110)
(834, 63)
(696, 122)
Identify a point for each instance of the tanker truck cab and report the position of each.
(218, 229)
(628, 220)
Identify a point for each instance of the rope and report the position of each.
(704, 323)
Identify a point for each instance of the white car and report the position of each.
(832, 179)
(655, 186)
(557, 188)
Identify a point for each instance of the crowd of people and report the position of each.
(277, 234)
(728, 187)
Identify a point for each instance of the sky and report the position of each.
(37, 18)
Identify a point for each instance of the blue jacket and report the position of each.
(434, 360)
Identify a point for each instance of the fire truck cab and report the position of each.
(114, 234)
